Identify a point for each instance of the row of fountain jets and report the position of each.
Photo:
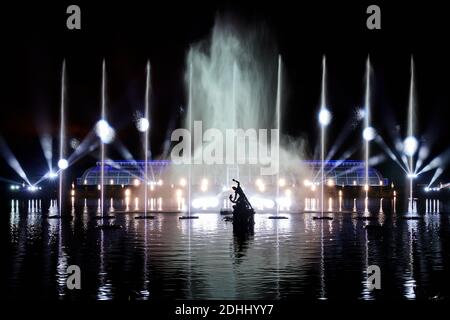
(311, 204)
(105, 132)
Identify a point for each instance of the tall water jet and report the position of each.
(146, 137)
(324, 121)
(368, 134)
(62, 163)
(102, 146)
(190, 146)
(410, 144)
(278, 119)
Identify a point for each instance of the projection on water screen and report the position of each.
(229, 153)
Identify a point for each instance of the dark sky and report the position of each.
(35, 41)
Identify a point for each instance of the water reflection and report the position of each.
(207, 258)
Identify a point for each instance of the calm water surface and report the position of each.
(203, 259)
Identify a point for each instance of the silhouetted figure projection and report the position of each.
(242, 209)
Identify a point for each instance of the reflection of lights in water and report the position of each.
(99, 187)
(354, 204)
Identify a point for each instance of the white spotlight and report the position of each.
(324, 117)
(53, 175)
(412, 175)
(142, 124)
(369, 134)
(410, 146)
(63, 164)
(104, 131)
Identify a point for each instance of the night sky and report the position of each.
(35, 41)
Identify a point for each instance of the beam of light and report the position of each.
(436, 175)
(439, 161)
(123, 150)
(12, 160)
(89, 144)
(46, 145)
(347, 154)
(343, 134)
(424, 152)
(376, 160)
(390, 153)
(9, 181)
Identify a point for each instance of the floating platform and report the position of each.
(369, 218)
(226, 211)
(188, 217)
(326, 212)
(109, 227)
(57, 216)
(374, 227)
(323, 218)
(278, 217)
(103, 217)
(145, 217)
(142, 212)
(411, 217)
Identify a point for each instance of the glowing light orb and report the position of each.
(63, 164)
(324, 117)
(360, 114)
(410, 146)
(412, 175)
(282, 182)
(142, 124)
(369, 134)
(74, 143)
(104, 131)
(183, 182)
